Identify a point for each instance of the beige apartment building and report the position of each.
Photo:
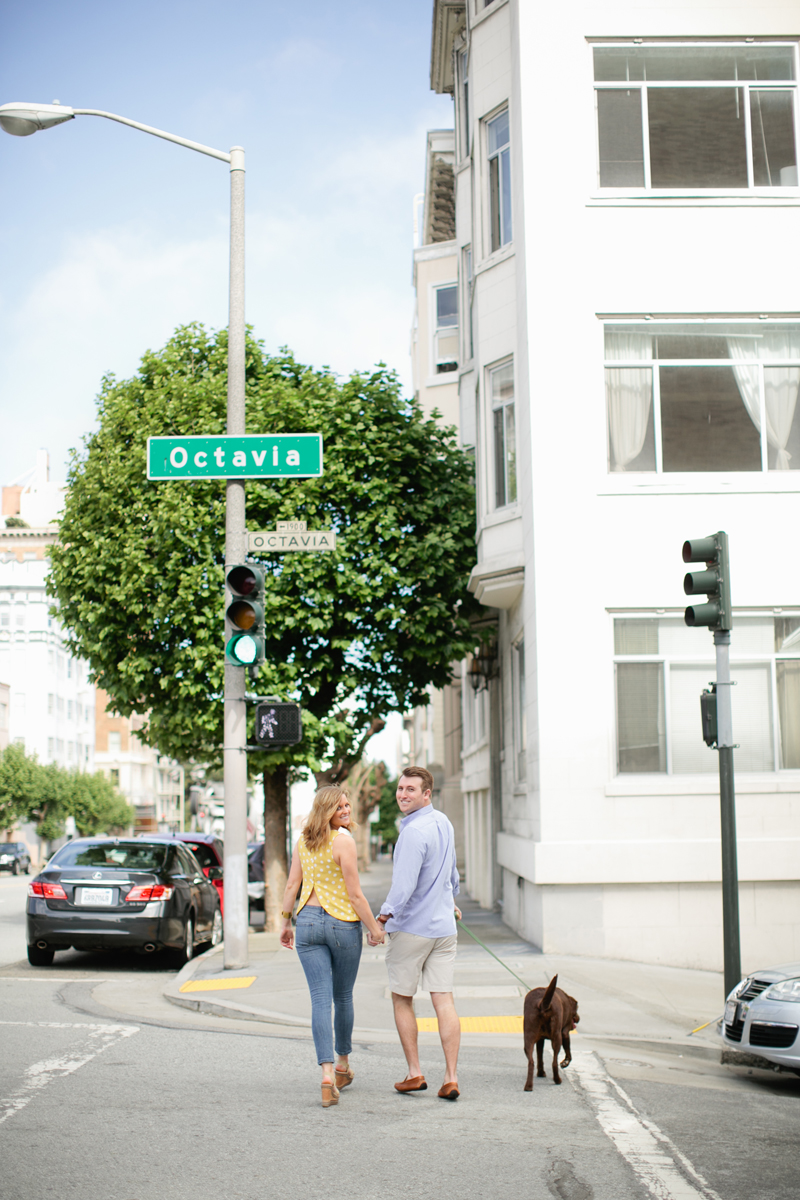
(151, 782)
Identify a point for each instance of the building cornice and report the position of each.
(449, 18)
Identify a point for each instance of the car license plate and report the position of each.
(97, 897)
(730, 1012)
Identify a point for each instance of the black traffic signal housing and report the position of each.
(244, 616)
(715, 581)
(278, 724)
(708, 714)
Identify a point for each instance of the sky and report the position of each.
(112, 238)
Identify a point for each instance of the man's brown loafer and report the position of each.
(417, 1084)
(449, 1091)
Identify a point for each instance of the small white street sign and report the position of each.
(290, 535)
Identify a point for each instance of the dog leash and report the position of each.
(475, 937)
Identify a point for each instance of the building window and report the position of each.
(466, 307)
(671, 116)
(520, 726)
(463, 124)
(51, 746)
(703, 396)
(446, 332)
(114, 742)
(662, 667)
(501, 381)
(113, 775)
(51, 703)
(499, 152)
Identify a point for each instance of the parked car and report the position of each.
(208, 850)
(255, 876)
(144, 894)
(14, 857)
(762, 1016)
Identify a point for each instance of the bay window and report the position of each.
(501, 386)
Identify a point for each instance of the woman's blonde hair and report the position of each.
(317, 828)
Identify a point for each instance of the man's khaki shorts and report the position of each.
(410, 956)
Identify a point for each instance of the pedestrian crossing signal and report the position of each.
(278, 724)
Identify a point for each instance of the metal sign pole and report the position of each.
(730, 871)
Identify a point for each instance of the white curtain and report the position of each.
(629, 393)
(781, 385)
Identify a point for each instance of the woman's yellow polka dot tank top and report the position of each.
(320, 872)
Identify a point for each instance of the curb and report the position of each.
(222, 1008)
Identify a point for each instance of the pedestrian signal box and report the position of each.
(708, 714)
(244, 617)
(278, 724)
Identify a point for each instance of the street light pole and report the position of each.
(21, 120)
(235, 722)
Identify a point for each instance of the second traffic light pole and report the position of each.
(235, 722)
(727, 810)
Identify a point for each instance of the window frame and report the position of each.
(490, 158)
(654, 326)
(739, 659)
(435, 329)
(752, 190)
(491, 408)
(518, 709)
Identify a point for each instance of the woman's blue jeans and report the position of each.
(330, 953)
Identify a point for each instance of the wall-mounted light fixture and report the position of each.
(483, 666)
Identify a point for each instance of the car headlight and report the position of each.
(4, 858)
(787, 989)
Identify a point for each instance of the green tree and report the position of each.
(388, 813)
(18, 785)
(351, 634)
(48, 794)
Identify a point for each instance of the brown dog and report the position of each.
(548, 1013)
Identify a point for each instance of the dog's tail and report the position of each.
(547, 998)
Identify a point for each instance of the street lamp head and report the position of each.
(23, 119)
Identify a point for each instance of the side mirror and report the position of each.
(215, 873)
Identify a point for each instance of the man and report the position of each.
(420, 917)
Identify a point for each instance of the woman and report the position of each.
(332, 907)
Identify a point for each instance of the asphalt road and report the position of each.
(108, 1092)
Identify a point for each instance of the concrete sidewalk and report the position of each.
(618, 1001)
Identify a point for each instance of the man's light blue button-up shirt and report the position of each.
(425, 876)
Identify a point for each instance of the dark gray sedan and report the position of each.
(122, 894)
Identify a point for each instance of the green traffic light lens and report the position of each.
(243, 648)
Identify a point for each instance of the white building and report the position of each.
(626, 217)
(51, 700)
(432, 732)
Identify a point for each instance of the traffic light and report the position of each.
(715, 581)
(244, 618)
(278, 724)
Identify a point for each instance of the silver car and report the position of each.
(762, 1016)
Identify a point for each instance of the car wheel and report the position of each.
(40, 958)
(15, 868)
(186, 953)
(216, 929)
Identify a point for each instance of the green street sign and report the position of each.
(249, 456)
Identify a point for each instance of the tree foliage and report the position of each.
(48, 794)
(351, 634)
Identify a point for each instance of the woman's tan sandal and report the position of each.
(344, 1078)
(330, 1094)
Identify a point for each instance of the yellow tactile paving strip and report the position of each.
(475, 1024)
(217, 985)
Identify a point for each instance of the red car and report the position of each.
(207, 849)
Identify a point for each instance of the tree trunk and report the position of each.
(276, 866)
